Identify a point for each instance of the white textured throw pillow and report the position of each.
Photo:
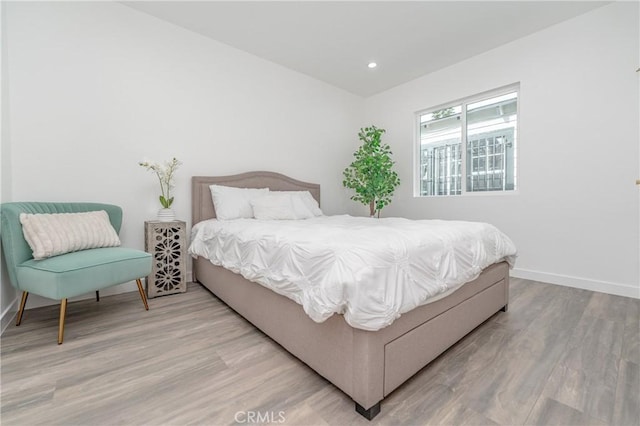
(59, 233)
(274, 206)
(234, 203)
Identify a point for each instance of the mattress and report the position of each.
(370, 270)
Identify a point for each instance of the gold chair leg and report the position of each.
(23, 302)
(141, 290)
(63, 311)
(97, 295)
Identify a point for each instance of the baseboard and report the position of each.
(576, 282)
(9, 314)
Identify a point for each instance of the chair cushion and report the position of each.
(80, 272)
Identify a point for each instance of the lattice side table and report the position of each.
(167, 243)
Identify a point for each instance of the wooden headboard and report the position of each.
(202, 204)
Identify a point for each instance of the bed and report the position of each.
(366, 365)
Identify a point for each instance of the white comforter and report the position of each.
(370, 270)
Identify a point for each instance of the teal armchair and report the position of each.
(70, 274)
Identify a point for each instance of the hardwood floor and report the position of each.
(559, 356)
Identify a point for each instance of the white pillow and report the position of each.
(309, 202)
(234, 203)
(273, 206)
(298, 201)
(52, 234)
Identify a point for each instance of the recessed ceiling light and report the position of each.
(372, 65)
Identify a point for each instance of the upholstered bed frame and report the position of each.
(365, 365)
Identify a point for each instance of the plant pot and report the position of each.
(166, 215)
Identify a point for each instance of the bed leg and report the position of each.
(505, 308)
(369, 414)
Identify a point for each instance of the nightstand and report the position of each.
(167, 243)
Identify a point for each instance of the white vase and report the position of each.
(166, 215)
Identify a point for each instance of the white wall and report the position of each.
(7, 292)
(575, 218)
(96, 86)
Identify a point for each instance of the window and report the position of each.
(469, 146)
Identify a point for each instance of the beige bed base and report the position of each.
(366, 365)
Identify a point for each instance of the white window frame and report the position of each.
(464, 102)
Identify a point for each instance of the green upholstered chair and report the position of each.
(70, 274)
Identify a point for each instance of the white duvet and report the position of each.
(370, 270)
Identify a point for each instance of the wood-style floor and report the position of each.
(559, 356)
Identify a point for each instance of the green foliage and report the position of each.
(371, 174)
(165, 202)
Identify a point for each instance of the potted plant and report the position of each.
(371, 174)
(165, 173)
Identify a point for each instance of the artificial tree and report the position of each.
(371, 174)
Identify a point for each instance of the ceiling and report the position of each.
(334, 41)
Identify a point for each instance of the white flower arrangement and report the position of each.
(165, 173)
